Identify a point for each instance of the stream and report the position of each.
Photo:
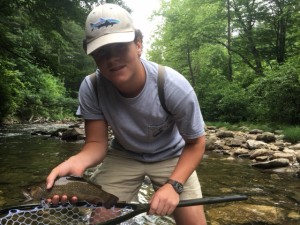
(26, 159)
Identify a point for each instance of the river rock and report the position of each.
(246, 214)
(255, 131)
(73, 134)
(294, 215)
(225, 134)
(211, 128)
(275, 163)
(261, 158)
(266, 137)
(286, 150)
(210, 143)
(252, 144)
(240, 151)
(298, 156)
(235, 142)
(284, 155)
(59, 132)
(286, 170)
(260, 152)
(295, 147)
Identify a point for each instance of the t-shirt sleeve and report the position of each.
(183, 103)
(89, 107)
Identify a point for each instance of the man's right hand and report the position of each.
(68, 167)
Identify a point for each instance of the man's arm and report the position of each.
(92, 153)
(165, 200)
(190, 158)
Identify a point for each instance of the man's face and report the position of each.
(118, 62)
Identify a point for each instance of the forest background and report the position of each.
(241, 56)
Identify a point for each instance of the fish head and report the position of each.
(34, 192)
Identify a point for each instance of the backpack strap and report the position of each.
(160, 86)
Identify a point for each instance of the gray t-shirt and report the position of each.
(141, 126)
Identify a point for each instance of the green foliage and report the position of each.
(10, 90)
(44, 96)
(224, 102)
(45, 55)
(292, 134)
(275, 97)
(261, 48)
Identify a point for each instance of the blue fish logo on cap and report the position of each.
(104, 22)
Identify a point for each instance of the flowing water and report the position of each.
(26, 159)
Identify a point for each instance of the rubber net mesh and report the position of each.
(66, 215)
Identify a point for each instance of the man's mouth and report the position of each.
(116, 68)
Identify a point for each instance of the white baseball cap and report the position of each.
(107, 24)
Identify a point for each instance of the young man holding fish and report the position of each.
(165, 146)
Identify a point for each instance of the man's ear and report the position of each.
(84, 45)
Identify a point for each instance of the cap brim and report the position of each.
(109, 39)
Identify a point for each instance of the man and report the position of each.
(165, 146)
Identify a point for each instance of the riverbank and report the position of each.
(274, 197)
(265, 150)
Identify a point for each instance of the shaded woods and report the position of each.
(242, 57)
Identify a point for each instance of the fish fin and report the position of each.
(27, 196)
(27, 200)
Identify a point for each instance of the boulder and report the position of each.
(240, 151)
(275, 163)
(260, 152)
(210, 143)
(298, 156)
(284, 155)
(255, 131)
(252, 144)
(73, 134)
(225, 134)
(266, 137)
(295, 147)
(235, 142)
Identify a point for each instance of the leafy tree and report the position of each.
(43, 41)
(277, 94)
(252, 44)
(10, 90)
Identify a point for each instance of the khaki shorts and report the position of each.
(124, 176)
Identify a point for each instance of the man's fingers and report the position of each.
(64, 199)
(54, 200)
(50, 179)
(74, 199)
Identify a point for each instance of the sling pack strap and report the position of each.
(160, 86)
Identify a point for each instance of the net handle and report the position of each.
(211, 200)
(141, 208)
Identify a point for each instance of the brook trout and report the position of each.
(72, 186)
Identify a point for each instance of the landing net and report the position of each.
(67, 214)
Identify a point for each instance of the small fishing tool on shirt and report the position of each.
(83, 213)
